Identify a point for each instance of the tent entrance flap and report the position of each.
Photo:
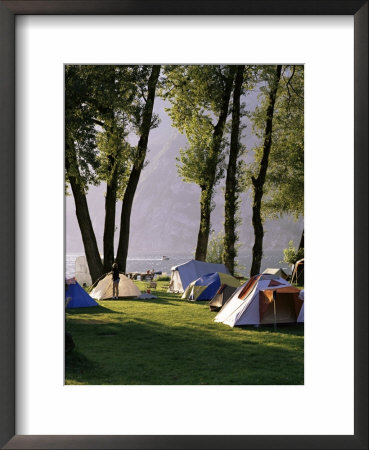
(280, 310)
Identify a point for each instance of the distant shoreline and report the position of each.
(154, 261)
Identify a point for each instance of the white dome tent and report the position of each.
(264, 299)
(183, 274)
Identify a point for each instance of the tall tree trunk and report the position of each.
(204, 230)
(302, 241)
(112, 184)
(258, 183)
(84, 221)
(109, 226)
(231, 187)
(136, 171)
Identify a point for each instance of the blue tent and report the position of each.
(77, 297)
(205, 287)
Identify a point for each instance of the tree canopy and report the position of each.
(200, 97)
(284, 186)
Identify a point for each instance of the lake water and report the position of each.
(272, 258)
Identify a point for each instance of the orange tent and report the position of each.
(279, 305)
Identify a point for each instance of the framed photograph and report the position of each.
(39, 40)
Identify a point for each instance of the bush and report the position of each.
(163, 278)
(291, 255)
(215, 249)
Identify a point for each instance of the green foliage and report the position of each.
(284, 187)
(291, 254)
(215, 253)
(80, 132)
(103, 105)
(195, 94)
(286, 175)
(193, 161)
(114, 156)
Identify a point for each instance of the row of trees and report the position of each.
(109, 107)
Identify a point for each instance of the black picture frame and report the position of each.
(8, 11)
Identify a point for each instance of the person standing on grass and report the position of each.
(115, 274)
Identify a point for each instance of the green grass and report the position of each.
(174, 342)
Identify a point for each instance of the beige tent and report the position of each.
(221, 297)
(104, 288)
(278, 272)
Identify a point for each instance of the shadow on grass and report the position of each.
(159, 301)
(290, 329)
(77, 364)
(144, 352)
(95, 310)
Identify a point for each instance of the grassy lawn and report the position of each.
(171, 341)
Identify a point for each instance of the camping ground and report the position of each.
(170, 341)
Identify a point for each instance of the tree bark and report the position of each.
(204, 230)
(231, 192)
(302, 241)
(258, 183)
(136, 171)
(84, 221)
(109, 226)
(111, 186)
